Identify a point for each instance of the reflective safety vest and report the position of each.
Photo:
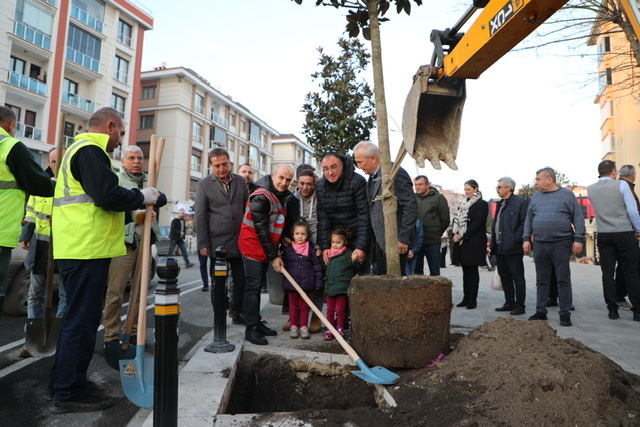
(248, 242)
(81, 229)
(11, 196)
(39, 212)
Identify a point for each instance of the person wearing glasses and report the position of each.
(506, 245)
(555, 223)
(342, 202)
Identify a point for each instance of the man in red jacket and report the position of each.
(258, 243)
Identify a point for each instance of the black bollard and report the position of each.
(167, 315)
(219, 302)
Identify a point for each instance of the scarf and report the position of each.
(302, 249)
(462, 215)
(138, 179)
(335, 252)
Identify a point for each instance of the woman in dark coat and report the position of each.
(470, 233)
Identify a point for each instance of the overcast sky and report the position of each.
(527, 111)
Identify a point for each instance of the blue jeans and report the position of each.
(183, 249)
(85, 282)
(511, 271)
(36, 297)
(432, 252)
(547, 257)
(254, 273)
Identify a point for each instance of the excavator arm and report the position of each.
(433, 110)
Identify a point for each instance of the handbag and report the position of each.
(496, 283)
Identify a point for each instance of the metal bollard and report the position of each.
(167, 315)
(219, 302)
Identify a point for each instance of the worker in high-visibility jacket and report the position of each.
(88, 230)
(19, 175)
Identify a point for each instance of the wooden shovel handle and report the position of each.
(350, 351)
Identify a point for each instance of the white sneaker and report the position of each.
(304, 333)
(293, 332)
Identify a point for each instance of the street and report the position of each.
(23, 381)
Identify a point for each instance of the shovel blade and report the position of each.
(41, 336)
(136, 376)
(114, 353)
(375, 375)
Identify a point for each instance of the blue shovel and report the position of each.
(136, 375)
(375, 375)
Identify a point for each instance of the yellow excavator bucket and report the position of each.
(431, 118)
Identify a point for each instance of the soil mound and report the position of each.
(506, 372)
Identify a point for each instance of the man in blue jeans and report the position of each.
(555, 224)
(433, 212)
(259, 239)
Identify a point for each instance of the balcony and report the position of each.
(121, 76)
(124, 39)
(51, 2)
(199, 109)
(68, 140)
(79, 102)
(27, 131)
(27, 83)
(32, 35)
(198, 145)
(85, 18)
(82, 59)
(220, 120)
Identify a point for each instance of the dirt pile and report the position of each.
(506, 372)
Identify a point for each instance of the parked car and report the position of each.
(15, 300)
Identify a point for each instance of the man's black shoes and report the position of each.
(254, 336)
(90, 402)
(565, 320)
(505, 307)
(264, 330)
(517, 311)
(613, 312)
(538, 316)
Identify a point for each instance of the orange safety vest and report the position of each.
(248, 242)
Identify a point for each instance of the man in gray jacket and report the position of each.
(220, 201)
(618, 224)
(367, 157)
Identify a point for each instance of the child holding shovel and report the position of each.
(301, 261)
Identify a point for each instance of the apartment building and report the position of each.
(618, 93)
(194, 117)
(64, 59)
(291, 150)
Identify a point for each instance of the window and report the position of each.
(83, 48)
(195, 163)
(604, 47)
(33, 24)
(124, 32)
(198, 103)
(121, 69)
(117, 102)
(70, 86)
(146, 121)
(197, 132)
(89, 12)
(605, 79)
(148, 92)
(17, 65)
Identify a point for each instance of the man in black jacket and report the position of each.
(342, 202)
(506, 244)
(176, 236)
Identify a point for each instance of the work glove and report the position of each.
(138, 216)
(150, 195)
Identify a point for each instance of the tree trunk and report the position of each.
(389, 201)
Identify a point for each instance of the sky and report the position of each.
(531, 109)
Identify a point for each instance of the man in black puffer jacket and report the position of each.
(342, 202)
